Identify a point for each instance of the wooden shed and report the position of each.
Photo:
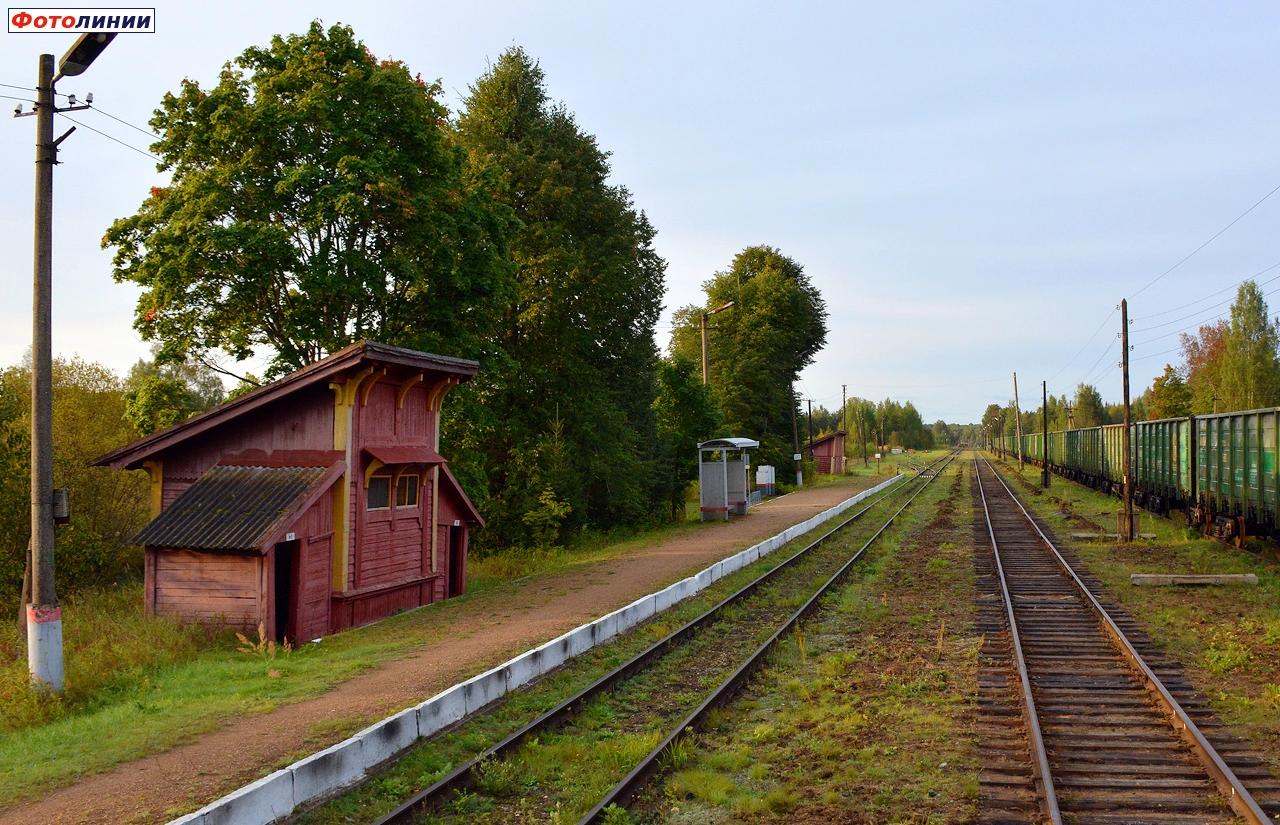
(313, 504)
(828, 453)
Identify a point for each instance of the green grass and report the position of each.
(139, 686)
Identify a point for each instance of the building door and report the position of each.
(457, 568)
(286, 589)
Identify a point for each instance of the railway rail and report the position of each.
(1114, 731)
(431, 799)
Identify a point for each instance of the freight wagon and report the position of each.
(1219, 470)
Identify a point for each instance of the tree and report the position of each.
(1251, 370)
(687, 415)
(759, 347)
(316, 199)
(1088, 409)
(160, 394)
(1205, 354)
(1169, 396)
(943, 435)
(993, 421)
(576, 335)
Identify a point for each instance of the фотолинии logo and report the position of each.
(81, 21)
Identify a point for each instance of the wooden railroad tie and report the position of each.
(1168, 579)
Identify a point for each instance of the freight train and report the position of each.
(1219, 470)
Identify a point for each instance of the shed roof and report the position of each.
(132, 455)
(392, 454)
(237, 508)
(729, 444)
(824, 439)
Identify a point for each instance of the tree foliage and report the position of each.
(576, 337)
(758, 347)
(160, 394)
(686, 414)
(315, 200)
(1169, 396)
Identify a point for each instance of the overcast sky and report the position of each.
(972, 186)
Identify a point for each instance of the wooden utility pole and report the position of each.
(844, 413)
(810, 400)
(1126, 529)
(1044, 429)
(1017, 419)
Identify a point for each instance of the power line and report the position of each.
(23, 99)
(1089, 373)
(1211, 306)
(1199, 323)
(1212, 238)
(112, 138)
(1236, 285)
(146, 132)
(1086, 344)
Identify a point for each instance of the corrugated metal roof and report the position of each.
(231, 508)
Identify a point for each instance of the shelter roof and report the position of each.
(330, 367)
(236, 508)
(729, 444)
(403, 454)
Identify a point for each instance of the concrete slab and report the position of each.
(552, 654)
(479, 691)
(441, 711)
(323, 773)
(524, 668)
(581, 639)
(258, 803)
(385, 739)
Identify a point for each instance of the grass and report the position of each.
(562, 773)
(866, 715)
(139, 686)
(1227, 638)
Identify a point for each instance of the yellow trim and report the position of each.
(374, 466)
(406, 385)
(344, 395)
(155, 470)
(368, 388)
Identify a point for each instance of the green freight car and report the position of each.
(1220, 470)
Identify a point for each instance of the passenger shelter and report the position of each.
(723, 468)
(312, 504)
(828, 453)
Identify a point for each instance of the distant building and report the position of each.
(828, 453)
(313, 504)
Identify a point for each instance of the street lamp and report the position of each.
(44, 616)
(705, 316)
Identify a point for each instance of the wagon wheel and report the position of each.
(1240, 536)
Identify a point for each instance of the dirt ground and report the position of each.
(482, 632)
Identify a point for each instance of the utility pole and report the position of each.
(810, 400)
(1017, 419)
(44, 616)
(1044, 429)
(1126, 529)
(862, 434)
(844, 412)
(795, 437)
(705, 316)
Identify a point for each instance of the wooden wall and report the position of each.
(212, 588)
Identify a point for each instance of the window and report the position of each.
(407, 491)
(378, 492)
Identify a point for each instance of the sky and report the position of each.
(973, 187)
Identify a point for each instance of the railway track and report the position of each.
(1112, 731)
(721, 633)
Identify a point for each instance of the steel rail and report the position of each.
(1041, 756)
(464, 775)
(1229, 785)
(625, 791)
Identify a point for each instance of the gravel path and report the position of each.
(481, 632)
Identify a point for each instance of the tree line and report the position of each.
(1226, 365)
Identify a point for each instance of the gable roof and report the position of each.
(132, 455)
(824, 439)
(236, 508)
(452, 482)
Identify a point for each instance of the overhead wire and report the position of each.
(110, 137)
(1198, 323)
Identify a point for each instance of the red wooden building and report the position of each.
(313, 504)
(828, 453)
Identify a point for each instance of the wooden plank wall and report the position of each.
(210, 587)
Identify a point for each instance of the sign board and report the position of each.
(795, 457)
(877, 456)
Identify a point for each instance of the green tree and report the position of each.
(577, 335)
(315, 199)
(1205, 357)
(160, 394)
(1251, 369)
(758, 348)
(1169, 396)
(1087, 408)
(686, 414)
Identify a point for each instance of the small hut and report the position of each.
(828, 453)
(313, 504)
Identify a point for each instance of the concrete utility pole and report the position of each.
(795, 437)
(810, 400)
(1126, 529)
(44, 616)
(1017, 419)
(705, 316)
(844, 405)
(1044, 429)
